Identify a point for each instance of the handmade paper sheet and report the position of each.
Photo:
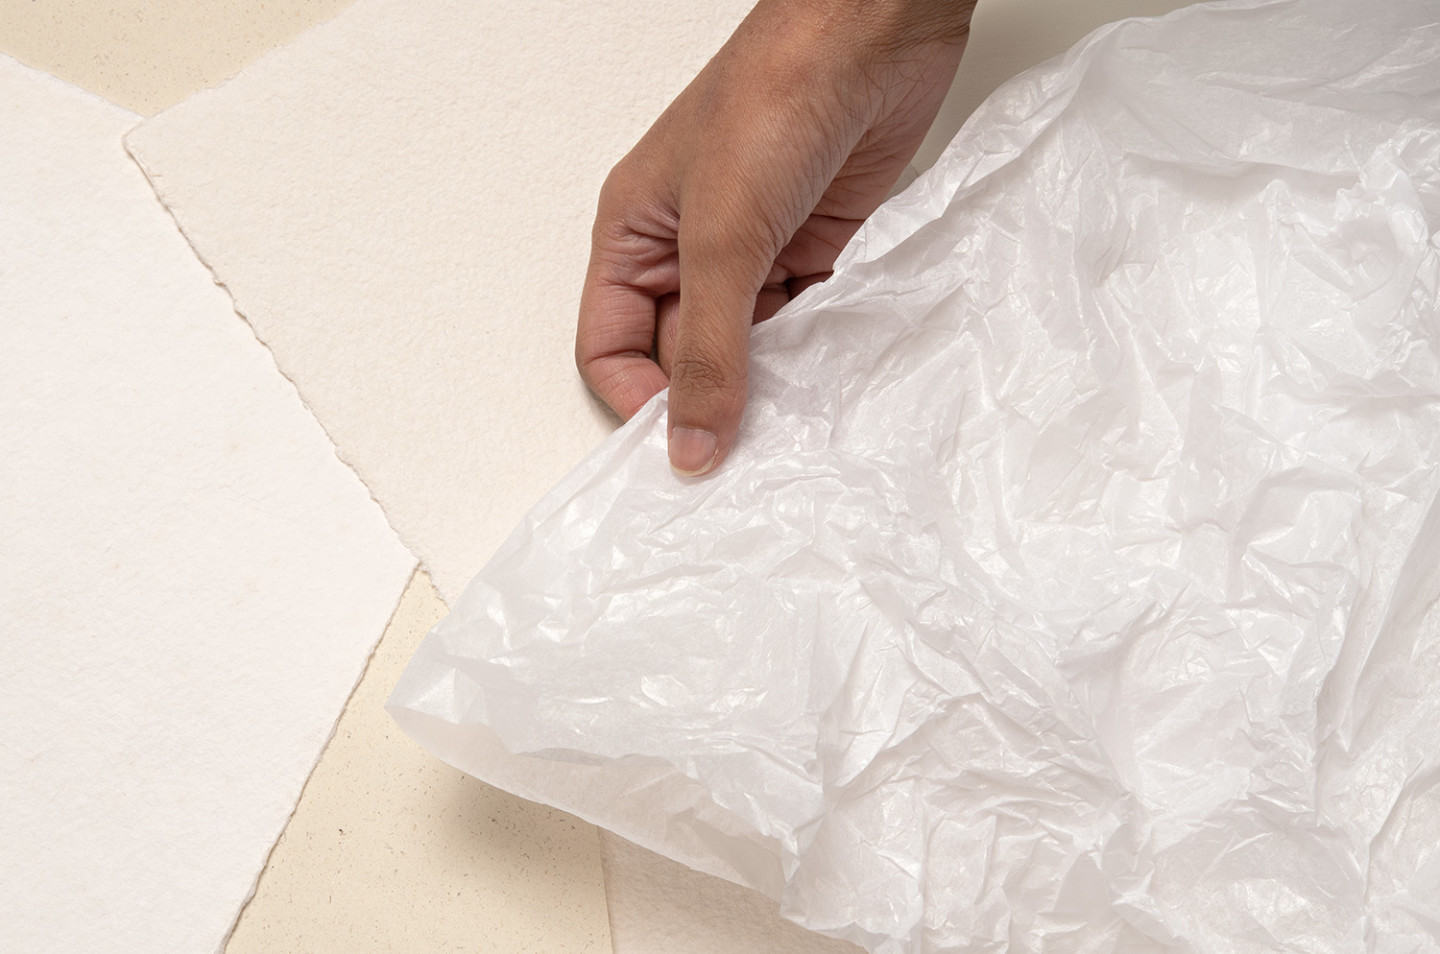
(192, 580)
(400, 203)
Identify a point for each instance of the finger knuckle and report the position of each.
(704, 375)
(733, 240)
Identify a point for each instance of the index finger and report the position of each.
(613, 343)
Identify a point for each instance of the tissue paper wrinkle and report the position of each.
(1071, 587)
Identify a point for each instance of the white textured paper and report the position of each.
(400, 204)
(192, 581)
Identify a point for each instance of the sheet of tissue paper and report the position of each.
(1075, 583)
(400, 204)
(1007, 36)
(192, 581)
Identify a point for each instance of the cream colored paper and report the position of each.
(192, 580)
(149, 54)
(399, 203)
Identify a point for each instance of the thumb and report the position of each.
(763, 137)
(724, 261)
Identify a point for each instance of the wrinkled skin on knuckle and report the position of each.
(706, 378)
(746, 244)
(886, 28)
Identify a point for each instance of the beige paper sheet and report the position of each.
(391, 850)
(146, 55)
(399, 203)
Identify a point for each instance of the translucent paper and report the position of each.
(1073, 584)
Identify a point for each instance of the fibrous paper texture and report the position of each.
(1073, 583)
(400, 204)
(192, 581)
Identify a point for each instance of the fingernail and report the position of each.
(692, 451)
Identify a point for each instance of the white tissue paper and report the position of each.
(1073, 583)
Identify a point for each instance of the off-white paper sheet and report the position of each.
(399, 202)
(192, 581)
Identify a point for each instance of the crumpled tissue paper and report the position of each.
(1073, 585)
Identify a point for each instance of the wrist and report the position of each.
(893, 24)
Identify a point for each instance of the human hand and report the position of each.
(744, 192)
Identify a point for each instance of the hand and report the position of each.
(744, 192)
